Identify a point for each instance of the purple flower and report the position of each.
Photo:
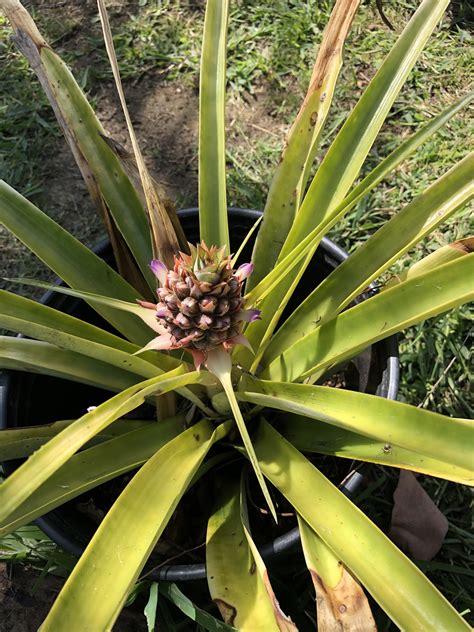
(248, 315)
(159, 270)
(244, 271)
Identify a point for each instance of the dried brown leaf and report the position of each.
(164, 240)
(284, 623)
(344, 608)
(130, 167)
(418, 527)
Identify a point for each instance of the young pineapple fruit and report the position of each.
(200, 302)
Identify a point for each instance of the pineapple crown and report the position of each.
(200, 305)
(207, 264)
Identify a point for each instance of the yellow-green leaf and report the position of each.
(235, 584)
(101, 581)
(349, 333)
(340, 601)
(212, 168)
(49, 458)
(94, 466)
(390, 422)
(419, 218)
(311, 435)
(405, 594)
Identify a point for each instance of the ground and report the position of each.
(271, 48)
(27, 601)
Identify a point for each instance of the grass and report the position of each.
(271, 51)
(26, 123)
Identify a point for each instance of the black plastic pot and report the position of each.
(28, 398)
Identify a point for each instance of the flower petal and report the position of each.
(248, 315)
(162, 312)
(219, 361)
(146, 304)
(149, 317)
(187, 339)
(244, 271)
(159, 270)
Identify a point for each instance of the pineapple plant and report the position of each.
(246, 376)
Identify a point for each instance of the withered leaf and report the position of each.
(418, 527)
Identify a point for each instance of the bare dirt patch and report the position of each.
(27, 601)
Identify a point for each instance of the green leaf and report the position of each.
(18, 442)
(117, 190)
(347, 153)
(102, 171)
(137, 589)
(151, 606)
(94, 466)
(49, 458)
(407, 148)
(68, 258)
(410, 600)
(385, 167)
(201, 617)
(39, 321)
(289, 180)
(17, 307)
(164, 241)
(212, 176)
(219, 363)
(49, 325)
(31, 43)
(244, 242)
(276, 343)
(100, 582)
(256, 364)
(389, 243)
(439, 257)
(22, 354)
(390, 422)
(319, 557)
(345, 336)
(235, 570)
(311, 435)
(166, 618)
(146, 315)
(284, 623)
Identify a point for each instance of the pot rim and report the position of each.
(280, 545)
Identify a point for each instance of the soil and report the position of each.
(25, 600)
